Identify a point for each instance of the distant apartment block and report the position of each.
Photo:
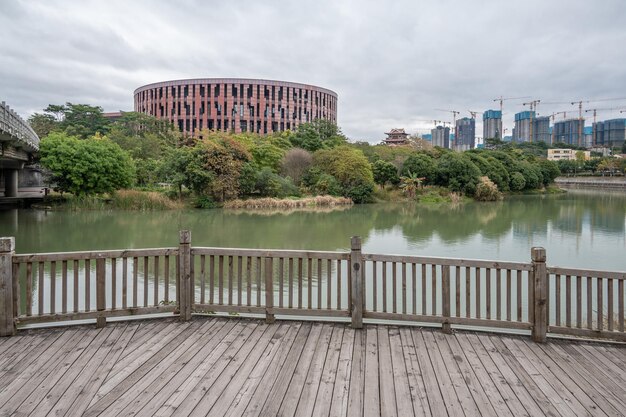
(396, 137)
(236, 104)
(465, 134)
(441, 137)
(569, 131)
(540, 128)
(492, 124)
(566, 154)
(609, 133)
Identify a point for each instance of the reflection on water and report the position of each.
(578, 229)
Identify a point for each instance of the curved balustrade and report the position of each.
(17, 129)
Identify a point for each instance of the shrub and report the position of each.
(518, 182)
(487, 190)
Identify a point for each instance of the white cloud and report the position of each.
(392, 63)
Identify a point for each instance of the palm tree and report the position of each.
(411, 183)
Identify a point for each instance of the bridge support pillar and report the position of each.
(10, 182)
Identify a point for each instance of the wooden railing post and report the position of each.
(7, 319)
(445, 293)
(101, 291)
(185, 294)
(356, 263)
(269, 291)
(540, 286)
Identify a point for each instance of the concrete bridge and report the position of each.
(19, 143)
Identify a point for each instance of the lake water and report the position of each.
(581, 228)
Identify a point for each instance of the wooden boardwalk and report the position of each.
(236, 367)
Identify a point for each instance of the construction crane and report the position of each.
(533, 108)
(454, 113)
(503, 99)
(473, 113)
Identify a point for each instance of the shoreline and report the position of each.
(614, 183)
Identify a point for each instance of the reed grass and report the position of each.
(143, 201)
(287, 204)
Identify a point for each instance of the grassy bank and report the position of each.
(288, 204)
(119, 200)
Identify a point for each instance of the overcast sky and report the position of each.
(392, 63)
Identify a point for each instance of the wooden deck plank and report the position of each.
(434, 394)
(65, 372)
(357, 376)
(404, 404)
(323, 399)
(306, 402)
(23, 383)
(500, 395)
(371, 398)
(15, 363)
(388, 406)
(286, 378)
(417, 391)
(591, 364)
(512, 374)
(239, 332)
(579, 375)
(133, 399)
(232, 367)
(454, 404)
(130, 361)
(572, 395)
(536, 390)
(464, 375)
(174, 377)
(257, 360)
(113, 388)
(260, 381)
(247, 354)
(78, 396)
(243, 343)
(341, 390)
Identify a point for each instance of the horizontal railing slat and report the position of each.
(557, 270)
(104, 254)
(123, 312)
(474, 263)
(271, 253)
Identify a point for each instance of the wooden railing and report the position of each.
(348, 285)
(87, 285)
(586, 302)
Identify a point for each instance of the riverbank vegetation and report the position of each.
(88, 155)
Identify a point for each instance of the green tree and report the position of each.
(422, 165)
(318, 134)
(385, 172)
(351, 169)
(458, 173)
(43, 124)
(224, 159)
(82, 167)
(549, 170)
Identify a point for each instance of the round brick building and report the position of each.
(236, 104)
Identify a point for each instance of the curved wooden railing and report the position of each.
(338, 285)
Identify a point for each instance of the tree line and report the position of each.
(88, 154)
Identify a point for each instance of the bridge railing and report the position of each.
(339, 285)
(13, 125)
